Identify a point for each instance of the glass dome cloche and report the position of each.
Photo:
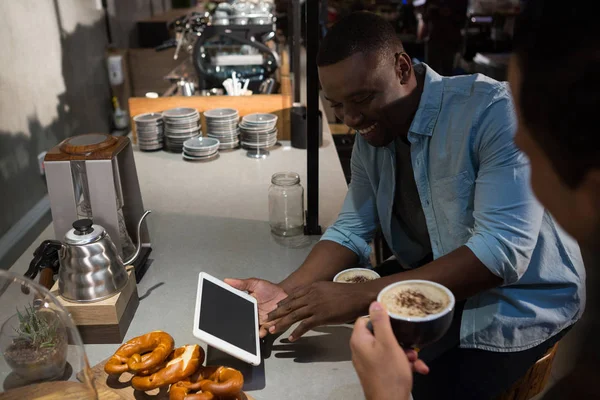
(41, 352)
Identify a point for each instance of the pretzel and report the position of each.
(214, 382)
(185, 362)
(221, 381)
(156, 368)
(141, 353)
(181, 391)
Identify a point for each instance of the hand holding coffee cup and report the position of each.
(420, 311)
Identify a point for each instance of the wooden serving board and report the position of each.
(58, 390)
(120, 387)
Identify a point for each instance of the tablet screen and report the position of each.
(228, 317)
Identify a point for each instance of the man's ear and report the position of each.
(403, 67)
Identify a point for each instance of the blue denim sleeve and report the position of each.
(357, 222)
(507, 216)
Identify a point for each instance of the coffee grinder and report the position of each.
(94, 176)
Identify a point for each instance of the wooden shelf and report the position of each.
(277, 104)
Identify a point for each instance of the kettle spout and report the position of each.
(138, 245)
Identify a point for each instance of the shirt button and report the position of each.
(427, 202)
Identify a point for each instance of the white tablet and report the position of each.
(227, 319)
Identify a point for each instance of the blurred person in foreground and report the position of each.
(555, 81)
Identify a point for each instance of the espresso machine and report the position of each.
(93, 176)
(234, 39)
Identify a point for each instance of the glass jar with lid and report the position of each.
(286, 204)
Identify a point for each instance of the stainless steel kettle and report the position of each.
(91, 268)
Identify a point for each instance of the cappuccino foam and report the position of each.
(354, 276)
(415, 300)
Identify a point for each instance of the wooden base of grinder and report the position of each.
(104, 321)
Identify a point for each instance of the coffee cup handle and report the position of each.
(370, 328)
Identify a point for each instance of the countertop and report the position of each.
(213, 217)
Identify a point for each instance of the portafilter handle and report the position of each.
(45, 260)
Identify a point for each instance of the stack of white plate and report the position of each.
(258, 130)
(181, 124)
(150, 131)
(258, 133)
(200, 149)
(222, 124)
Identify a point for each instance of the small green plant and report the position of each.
(36, 329)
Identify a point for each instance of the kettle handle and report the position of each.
(138, 247)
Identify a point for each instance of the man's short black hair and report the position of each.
(358, 32)
(558, 53)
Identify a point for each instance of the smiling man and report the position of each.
(434, 165)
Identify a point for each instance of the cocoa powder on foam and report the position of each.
(415, 300)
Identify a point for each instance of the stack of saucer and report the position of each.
(258, 133)
(222, 124)
(149, 128)
(200, 149)
(181, 124)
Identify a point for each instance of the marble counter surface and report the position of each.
(213, 217)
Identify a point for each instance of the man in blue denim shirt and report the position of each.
(435, 166)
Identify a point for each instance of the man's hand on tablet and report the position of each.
(267, 295)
